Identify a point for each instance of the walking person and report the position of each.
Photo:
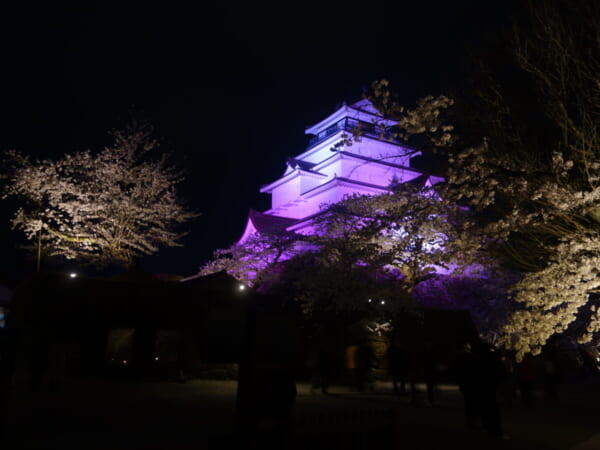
(526, 372)
(366, 360)
(465, 372)
(491, 374)
(397, 366)
(312, 364)
(508, 386)
(479, 372)
(430, 372)
(328, 363)
(551, 377)
(351, 362)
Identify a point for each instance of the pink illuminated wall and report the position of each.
(326, 171)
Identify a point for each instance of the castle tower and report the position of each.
(331, 168)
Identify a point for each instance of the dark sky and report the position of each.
(229, 89)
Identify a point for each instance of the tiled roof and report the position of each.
(420, 180)
(300, 164)
(267, 223)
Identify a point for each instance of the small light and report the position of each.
(242, 287)
(73, 275)
(124, 361)
(156, 359)
(369, 300)
(383, 302)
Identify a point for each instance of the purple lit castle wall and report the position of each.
(328, 170)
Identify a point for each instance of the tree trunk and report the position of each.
(39, 250)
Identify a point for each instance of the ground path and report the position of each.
(95, 414)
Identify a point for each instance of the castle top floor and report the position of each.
(360, 112)
(376, 140)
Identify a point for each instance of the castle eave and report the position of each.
(290, 176)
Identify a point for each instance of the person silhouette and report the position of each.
(397, 366)
(366, 361)
(479, 372)
(312, 365)
(465, 371)
(491, 373)
(351, 364)
(526, 372)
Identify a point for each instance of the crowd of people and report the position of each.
(358, 362)
(487, 379)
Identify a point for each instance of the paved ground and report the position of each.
(95, 414)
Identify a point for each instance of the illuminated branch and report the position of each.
(76, 239)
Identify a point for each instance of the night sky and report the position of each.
(229, 89)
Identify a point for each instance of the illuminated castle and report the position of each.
(331, 168)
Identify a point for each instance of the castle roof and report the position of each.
(267, 223)
(296, 163)
(363, 110)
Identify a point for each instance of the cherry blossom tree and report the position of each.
(534, 191)
(363, 247)
(256, 261)
(542, 196)
(109, 207)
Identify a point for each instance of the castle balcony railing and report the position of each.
(349, 124)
